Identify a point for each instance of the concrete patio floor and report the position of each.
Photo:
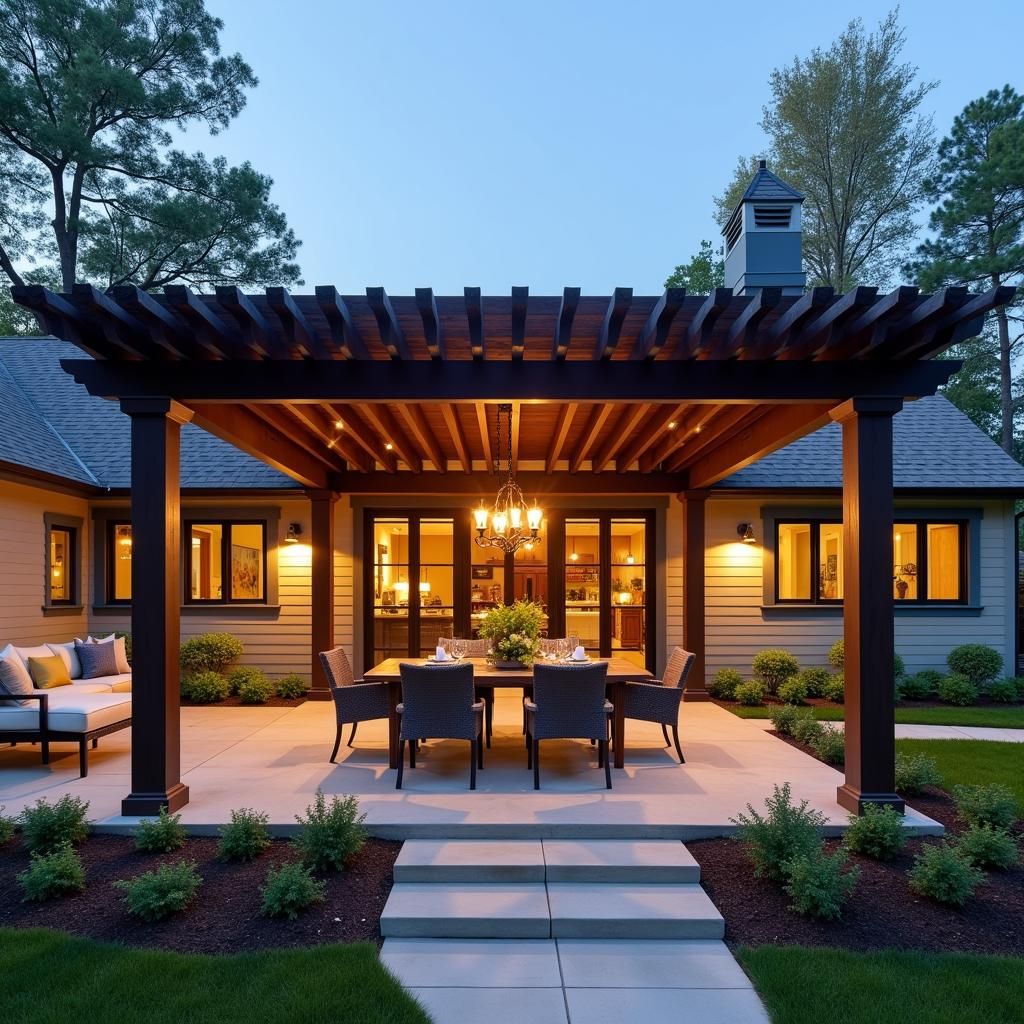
(274, 759)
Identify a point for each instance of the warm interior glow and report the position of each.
(672, 425)
(516, 514)
(533, 517)
(338, 425)
(480, 517)
(388, 446)
(500, 521)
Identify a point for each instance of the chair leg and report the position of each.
(474, 745)
(412, 753)
(401, 764)
(529, 752)
(352, 734)
(664, 732)
(600, 753)
(679, 749)
(337, 742)
(95, 743)
(489, 717)
(45, 750)
(607, 765)
(83, 758)
(536, 764)
(479, 755)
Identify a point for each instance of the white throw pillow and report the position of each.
(42, 651)
(120, 651)
(66, 653)
(18, 680)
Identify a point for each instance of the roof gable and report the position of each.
(766, 186)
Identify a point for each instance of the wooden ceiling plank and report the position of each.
(302, 336)
(563, 325)
(209, 330)
(344, 334)
(566, 413)
(314, 419)
(387, 426)
(417, 424)
(691, 426)
(815, 336)
(652, 338)
(730, 420)
(364, 435)
(458, 436)
(653, 428)
(611, 327)
(622, 431)
(281, 419)
(743, 332)
(598, 417)
(475, 319)
(485, 435)
(520, 303)
(431, 322)
(258, 333)
(391, 334)
(698, 337)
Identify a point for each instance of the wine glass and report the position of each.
(563, 648)
(458, 648)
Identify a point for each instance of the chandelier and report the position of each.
(509, 524)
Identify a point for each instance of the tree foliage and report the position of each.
(705, 271)
(90, 186)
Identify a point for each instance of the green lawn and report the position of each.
(812, 986)
(974, 762)
(50, 978)
(1011, 717)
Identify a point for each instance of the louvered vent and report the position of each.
(772, 216)
(732, 232)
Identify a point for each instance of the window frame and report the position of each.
(72, 525)
(815, 525)
(226, 525)
(921, 525)
(111, 557)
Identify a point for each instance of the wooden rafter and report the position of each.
(814, 337)
(786, 330)
(258, 333)
(566, 413)
(611, 326)
(520, 302)
(416, 422)
(209, 330)
(485, 435)
(475, 319)
(933, 310)
(654, 427)
(344, 336)
(515, 426)
(652, 338)
(699, 334)
(451, 421)
(387, 426)
(431, 322)
(121, 329)
(964, 318)
(277, 418)
(317, 423)
(728, 421)
(363, 434)
(598, 417)
(859, 332)
(621, 431)
(563, 325)
(166, 326)
(391, 334)
(688, 430)
(742, 335)
(58, 317)
(303, 338)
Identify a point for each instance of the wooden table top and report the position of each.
(619, 669)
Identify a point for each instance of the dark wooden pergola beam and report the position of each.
(965, 321)
(451, 421)
(598, 417)
(209, 330)
(742, 336)
(611, 326)
(860, 333)
(563, 325)
(303, 338)
(277, 417)
(166, 327)
(364, 435)
(121, 329)
(258, 333)
(652, 428)
(475, 320)
(387, 426)
(324, 436)
(786, 330)
(391, 334)
(431, 322)
(815, 335)
(932, 310)
(698, 335)
(566, 414)
(344, 334)
(623, 429)
(58, 317)
(654, 334)
(420, 430)
(532, 482)
(520, 303)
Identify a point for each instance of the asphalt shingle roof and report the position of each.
(935, 446)
(50, 423)
(766, 186)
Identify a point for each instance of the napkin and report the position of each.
(579, 654)
(440, 654)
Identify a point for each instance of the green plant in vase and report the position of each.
(514, 632)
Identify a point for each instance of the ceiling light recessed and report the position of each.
(338, 425)
(672, 425)
(388, 446)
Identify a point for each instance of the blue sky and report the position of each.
(546, 144)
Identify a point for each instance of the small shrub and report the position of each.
(785, 716)
(920, 686)
(988, 847)
(6, 827)
(785, 833)
(289, 890)
(877, 833)
(46, 827)
(724, 685)
(774, 666)
(978, 662)
(1003, 691)
(793, 691)
(245, 837)
(256, 691)
(835, 689)
(242, 674)
(899, 667)
(818, 885)
(750, 693)
(814, 679)
(291, 687)
(164, 834)
(330, 834)
(830, 745)
(914, 772)
(204, 687)
(837, 654)
(957, 689)
(52, 874)
(158, 894)
(993, 804)
(806, 730)
(943, 874)
(209, 652)
(1019, 682)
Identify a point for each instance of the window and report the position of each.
(61, 556)
(119, 577)
(225, 562)
(809, 562)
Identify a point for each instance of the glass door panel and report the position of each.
(583, 581)
(530, 574)
(390, 551)
(628, 596)
(436, 582)
(486, 583)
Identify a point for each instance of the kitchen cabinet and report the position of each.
(628, 629)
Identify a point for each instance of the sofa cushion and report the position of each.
(48, 673)
(104, 684)
(42, 651)
(70, 710)
(14, 677)
(120, 650)
(97, 659)
(69, 655)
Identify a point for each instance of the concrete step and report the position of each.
(618, 861)
(466, 860)
(466, 910)
(588, 910)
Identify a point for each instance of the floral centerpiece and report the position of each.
(514, 632)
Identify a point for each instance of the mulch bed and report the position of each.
(236, 702)
(225, 916)
(882, 913)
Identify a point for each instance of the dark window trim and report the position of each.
(111, 555)
(227, 526)
(73, 525)
(815, 597)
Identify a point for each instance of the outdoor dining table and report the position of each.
(486, 676)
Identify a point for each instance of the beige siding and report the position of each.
(673, 579)
(23, 553)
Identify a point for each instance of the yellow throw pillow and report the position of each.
(49, 672)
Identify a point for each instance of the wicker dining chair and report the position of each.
(476, 649)
(354, 701)
(438, 702)
(568, 703)
(658, 700)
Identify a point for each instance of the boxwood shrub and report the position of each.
(993, 804)
(209, 652)
(878, 832)
(46, 827)
(289, 890)
(945, 875)
(978, 662)
(724, 684)
(331, 833)
(815, 679)
(291, 687)
(830, 744)
(818, 885)
(50, 875)
(204, 687)
(257, 690)
(835, 689)
(242, 674)
(774, 666)
(157, 894)
(921, 685)
(793, 691)
(988, 847)
(163, 834)
(1003, 691)
(914, 772)
(837, 654)
(750, 693)
(957, 689)
(785, 832)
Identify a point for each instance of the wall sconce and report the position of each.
(745, 531)
(293, 534)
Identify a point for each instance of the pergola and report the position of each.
(620, 394)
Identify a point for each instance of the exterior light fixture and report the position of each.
(338, 425)
(672, 425)
(294, 533)
(745, 531)
(512, 523)
(388, 446)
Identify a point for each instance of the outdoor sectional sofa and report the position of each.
(80, 713)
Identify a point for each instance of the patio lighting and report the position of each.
(746, 533)
(509, 513)
(293, 534)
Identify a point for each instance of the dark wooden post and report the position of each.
(867, 602)
(156, 605)
(321, 587)
(694, 506)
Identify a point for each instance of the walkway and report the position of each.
(932, 732)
